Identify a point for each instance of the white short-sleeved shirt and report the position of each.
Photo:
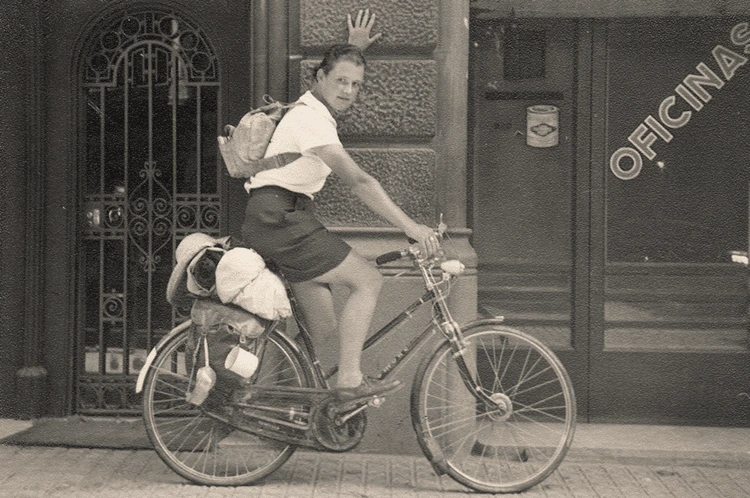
(302, 128)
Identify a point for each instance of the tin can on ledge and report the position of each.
(542, 125)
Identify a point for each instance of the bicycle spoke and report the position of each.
(521, 374)
(204, 449)
(525, 375)
(536, 403)
(517, 437)
(537, 386)
(169, 373)
(521, 413)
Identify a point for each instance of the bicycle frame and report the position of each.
(442, 321)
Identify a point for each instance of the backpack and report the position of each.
(244, 146)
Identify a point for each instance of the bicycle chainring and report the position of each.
(334, 435)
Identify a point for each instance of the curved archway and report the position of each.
(148, 176)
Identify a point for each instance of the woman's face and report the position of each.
(341, 85)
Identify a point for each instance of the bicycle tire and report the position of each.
(490, 449)
(198, 447)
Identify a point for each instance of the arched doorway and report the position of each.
(149, 174)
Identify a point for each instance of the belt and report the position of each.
(300, 200)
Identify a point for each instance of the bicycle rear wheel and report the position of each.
(197, 446)
(517, 441)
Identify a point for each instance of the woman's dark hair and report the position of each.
(338, 52)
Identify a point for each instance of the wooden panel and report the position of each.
(674, 348)
(674, 388)
(608, 8)
(522, 194)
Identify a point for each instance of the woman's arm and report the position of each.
(359, 30)
(369, 191)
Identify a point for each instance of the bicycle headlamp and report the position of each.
(452, 267)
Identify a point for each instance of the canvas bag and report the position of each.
(244, 146)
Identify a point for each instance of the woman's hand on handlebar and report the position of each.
(428, 241)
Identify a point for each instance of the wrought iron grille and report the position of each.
(149, 177)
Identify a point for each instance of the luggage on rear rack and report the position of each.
(209, 290)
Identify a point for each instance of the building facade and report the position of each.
(589, 159)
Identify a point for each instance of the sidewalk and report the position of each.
(605, 461)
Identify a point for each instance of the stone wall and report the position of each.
(390, 129)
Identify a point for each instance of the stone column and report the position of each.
(31, 393)
(22, 379)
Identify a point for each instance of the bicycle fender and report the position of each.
(155, 350)
(498, 320)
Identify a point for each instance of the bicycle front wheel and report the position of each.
(198, 447)
(515, 441)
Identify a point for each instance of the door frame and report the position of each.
(586, 273)
(69, 24)
(575, 357)
(602, 376)
(616, 376)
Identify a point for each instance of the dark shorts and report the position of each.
(281, 227)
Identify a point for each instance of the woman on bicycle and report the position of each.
(280, 224)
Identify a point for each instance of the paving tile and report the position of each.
(224, 492)
(626, 482)
(741, 479)
(724, 483)
(556, 484)
(352, 481)
(15, 459)
(376, 478)
(60, 472)
(602, 482)
(108, 469)
(673, 479)
(651, 482)
(574, 477)
(701, 483)
(18, 493)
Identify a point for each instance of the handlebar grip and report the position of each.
(388, 257)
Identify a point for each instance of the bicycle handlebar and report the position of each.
(389, 256)
(394, 255)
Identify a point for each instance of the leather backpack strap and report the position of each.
(276, 161)
(285, 158)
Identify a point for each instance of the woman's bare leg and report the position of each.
(315, 302)
(363, 281)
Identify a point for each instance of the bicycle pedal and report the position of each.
(351, 404)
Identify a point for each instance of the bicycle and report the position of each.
(491, 406)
